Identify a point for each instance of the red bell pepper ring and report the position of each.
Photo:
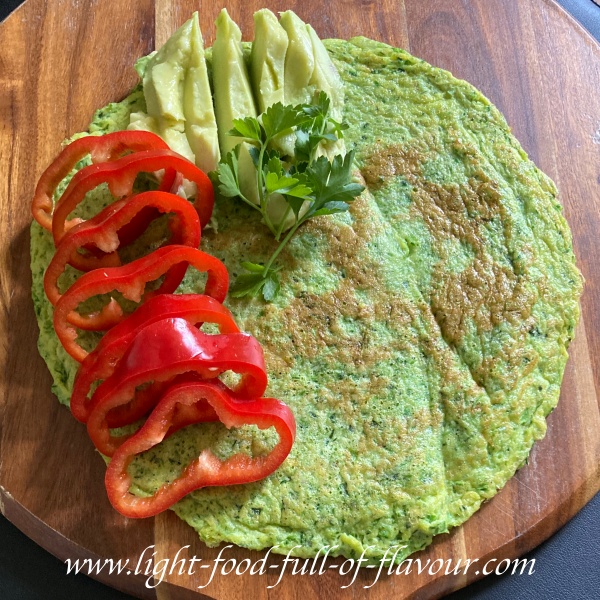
(120, 176)
(164, 350)
(130, 280)
(100, 364)
(207, 469)
(170, 182)
(101, 148)
(102, 231)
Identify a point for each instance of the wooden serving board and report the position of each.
(62, 59)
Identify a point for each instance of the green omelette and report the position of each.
(420, 338)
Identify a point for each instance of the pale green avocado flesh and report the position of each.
(420, 339)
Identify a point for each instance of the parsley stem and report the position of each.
(248, 202)
(281, 246)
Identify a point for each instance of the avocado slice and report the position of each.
(233, 94)
(200, 121)
(325, 76)
(179, 104)
(309, 70)
(267, 59)
(163, 78)
(299, 60)
(233, 97)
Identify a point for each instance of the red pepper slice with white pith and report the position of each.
(120, 176)
(101, 149)
(102, 232)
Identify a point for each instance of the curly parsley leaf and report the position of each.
(331, 208)
(271, 287)
(282, 182)
(286, 185)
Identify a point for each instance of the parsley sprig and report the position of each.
(310, 185)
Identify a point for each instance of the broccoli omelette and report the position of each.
(420, 338)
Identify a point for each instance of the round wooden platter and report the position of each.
(63, 59)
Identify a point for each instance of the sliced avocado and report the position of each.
(267, 59)
(163, 78)
(233, 97)
(200, 122)
(325, 76)
(178, 99)
(142, 63)
(299, 60)
(233, 94)
(281, 217)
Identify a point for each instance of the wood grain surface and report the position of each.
(62, 59)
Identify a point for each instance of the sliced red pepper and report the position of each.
(164, 350)
(102, 361)
(101, 148)
(207, 469)
(120, 176)
(130, 280)
(102, 232)
(170, 182)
